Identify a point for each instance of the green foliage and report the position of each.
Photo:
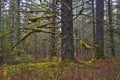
(98, 52)
(44, 68)
(25, 58)
(67, 61)
(16, 57)
(17, 51)
(57, 70)
(52, 59)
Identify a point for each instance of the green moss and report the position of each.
(85, 45)
(54, 70)
(51, 59)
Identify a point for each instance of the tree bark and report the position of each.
(18, 19)
(53, 40)
(93, 22)
(67, 46)
(100, 24)
(111, 30)
(0, 28)
(1, 40)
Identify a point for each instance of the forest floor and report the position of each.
(55, 69)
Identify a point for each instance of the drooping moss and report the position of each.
(85, 45)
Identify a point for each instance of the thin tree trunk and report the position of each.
(1, 40)
(53, 41)
(0, 28)
(13, 25)
(35, 43)
(18, 19)
(111, 30)
(93, 22)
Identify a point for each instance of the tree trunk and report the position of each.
(93, 22)
(18, 19)
(67, 46)
(0, 28)
(1, 40)
(111, 30)
(35, 43)
(53, 40)
(100, 24)
(13, 20)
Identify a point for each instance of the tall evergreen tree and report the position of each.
(93, 21)
(0, 28)
(53, 40)
(67, 47)
(0, 31)
(100, 23)
(18, 18)
(111, 29)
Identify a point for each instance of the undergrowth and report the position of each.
(52, 68)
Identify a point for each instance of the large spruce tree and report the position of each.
(67, 30)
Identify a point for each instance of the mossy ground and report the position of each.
(54, 69)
